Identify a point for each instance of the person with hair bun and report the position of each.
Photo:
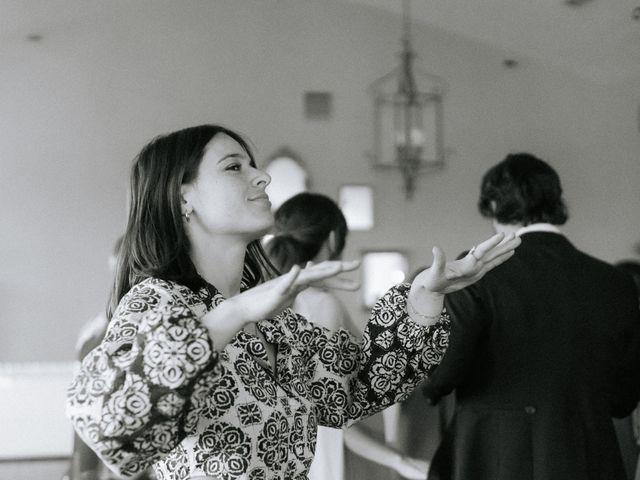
(204, 372)
(307, 227)
(310, 227)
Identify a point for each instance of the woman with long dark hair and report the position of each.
(204, 372)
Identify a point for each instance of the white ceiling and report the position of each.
(599, 40)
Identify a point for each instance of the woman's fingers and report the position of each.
(487, 266)
(493, 248)
(288, 280)
(481, 265)
(325, 270)
(482, 248)
(349, 265)
(330, 268)
(508, 245)
(439, 260)
(338, 283)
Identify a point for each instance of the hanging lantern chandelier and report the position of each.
(408, 116)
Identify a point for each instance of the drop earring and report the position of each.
(186, 213)
(187, 210)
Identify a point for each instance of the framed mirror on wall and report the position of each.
(289, 176)
(381, 270)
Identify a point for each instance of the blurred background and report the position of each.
(84, 84)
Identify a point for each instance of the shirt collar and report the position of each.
(538, 227)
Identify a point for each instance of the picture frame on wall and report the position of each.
(356, 203)
(380, 270)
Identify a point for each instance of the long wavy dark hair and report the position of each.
(302, 225)
(155, 243)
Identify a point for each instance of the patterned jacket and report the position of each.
(155, 392)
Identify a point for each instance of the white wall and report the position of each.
(76, 108)
(32, 411)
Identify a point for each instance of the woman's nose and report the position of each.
(262, 178)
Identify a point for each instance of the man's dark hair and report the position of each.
(522, 189)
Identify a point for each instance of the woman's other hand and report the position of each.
(271, 297)
(426, 296)
(447, 277)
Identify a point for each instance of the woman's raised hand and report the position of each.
(446, 277)
(325, 275)
(426, 296)
(271, 297)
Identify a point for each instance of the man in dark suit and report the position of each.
(543, 351)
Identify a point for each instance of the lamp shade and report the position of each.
(407, 128)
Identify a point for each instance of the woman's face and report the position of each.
(228, 197)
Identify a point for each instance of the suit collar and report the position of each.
(538, 227)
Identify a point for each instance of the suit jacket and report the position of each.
(543, 351)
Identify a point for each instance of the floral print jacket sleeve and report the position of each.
(348, 379)
(129, 401)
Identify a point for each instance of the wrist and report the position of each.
(223, 322)
(421, 318)
(423, 306)
(229, 313)
(420, 294)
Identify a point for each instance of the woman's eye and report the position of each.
(235, 167)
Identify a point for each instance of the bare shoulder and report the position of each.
(322, 308)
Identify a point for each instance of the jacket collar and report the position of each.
(538, 227)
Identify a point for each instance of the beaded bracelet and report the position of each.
(413, 312)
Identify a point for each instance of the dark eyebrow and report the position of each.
(232, 156)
